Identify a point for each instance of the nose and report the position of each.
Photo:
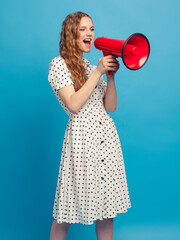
(89, 32)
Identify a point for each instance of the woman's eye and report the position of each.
(82, 29)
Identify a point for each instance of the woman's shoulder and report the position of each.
(57, 60)
(58, 64)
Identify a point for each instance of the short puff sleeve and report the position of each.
(59, 75)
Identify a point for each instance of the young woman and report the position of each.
(92, 182)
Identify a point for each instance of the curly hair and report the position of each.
(69, 49)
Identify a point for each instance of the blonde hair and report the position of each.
(69, 49)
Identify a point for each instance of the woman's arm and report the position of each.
(75, 100)
(79, 98)
(110, 98)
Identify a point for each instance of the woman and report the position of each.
(92, 181)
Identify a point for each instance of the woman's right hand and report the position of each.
(108, 63)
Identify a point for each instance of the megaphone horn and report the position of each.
(134, 51)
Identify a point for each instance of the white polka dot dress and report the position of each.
(92, 180)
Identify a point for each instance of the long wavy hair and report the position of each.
(69, 49)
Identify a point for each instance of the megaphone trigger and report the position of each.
(105, 53)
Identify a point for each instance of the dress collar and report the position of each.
(86, 61)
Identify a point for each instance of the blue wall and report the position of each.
(33, 123)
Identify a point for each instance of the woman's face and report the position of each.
(86, 34)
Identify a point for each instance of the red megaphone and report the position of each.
(134, 51)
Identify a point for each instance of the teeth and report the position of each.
(86, 40)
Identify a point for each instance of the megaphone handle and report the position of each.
(108, 72)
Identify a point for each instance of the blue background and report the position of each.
(33, 123)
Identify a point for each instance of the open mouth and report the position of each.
(87, 42)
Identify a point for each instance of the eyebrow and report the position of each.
(85, 26)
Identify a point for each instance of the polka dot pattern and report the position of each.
(92, 181)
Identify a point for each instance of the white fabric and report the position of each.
(92, 180)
